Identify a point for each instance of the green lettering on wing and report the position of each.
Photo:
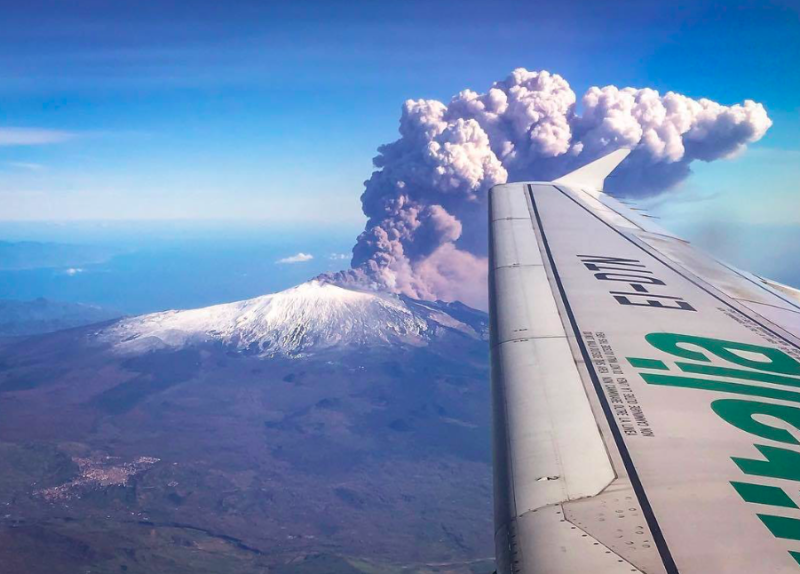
(775, 360)
(752, 371)
(762, 494)
(740, 414)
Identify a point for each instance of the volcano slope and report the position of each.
(315, 430)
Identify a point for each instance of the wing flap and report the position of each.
(547, 446)
(515, 244)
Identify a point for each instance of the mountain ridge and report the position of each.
(310, 317)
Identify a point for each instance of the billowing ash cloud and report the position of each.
(426, 202)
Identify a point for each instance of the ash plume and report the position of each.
(426, 232)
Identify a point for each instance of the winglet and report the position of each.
(595, 173)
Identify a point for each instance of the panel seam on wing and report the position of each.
(610, 550)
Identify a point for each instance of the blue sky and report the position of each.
(273, 110)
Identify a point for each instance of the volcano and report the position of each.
(319, 429)
(311, 317)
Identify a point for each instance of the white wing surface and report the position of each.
(646, 397)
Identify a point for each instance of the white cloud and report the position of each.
(298, 258)
(32, 136)
(72, 271)
(338, 256)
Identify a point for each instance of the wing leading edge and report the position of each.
(632, 377)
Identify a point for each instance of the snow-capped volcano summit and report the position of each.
(310, 317)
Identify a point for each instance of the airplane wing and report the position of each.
(645, 395)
